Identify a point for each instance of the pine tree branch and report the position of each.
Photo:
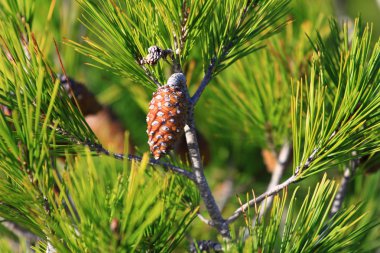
(165, 165)
(178, 48)
(20, 231)
(150, 75)
(339, 197)
(98, 148)
(210, 70)
(217, 220)
(204, 219)
(276, 189)
(50, 248)
(206, 79)
(184, 28)
(281, 162)
(259, 199)
(175, 56)
(177, 68)
(244, 13)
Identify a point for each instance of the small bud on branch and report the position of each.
(155, 54)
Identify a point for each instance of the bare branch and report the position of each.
(98, 148)
(339, 197)
(210, 70)
(50, 248)
(260, 198)
(282, 160)
(178, 48)
(217, 220)
(204, 220)
(184, 29)
(244, 13)
(200, 180)
(20, 231)
(275, 189)
(206, 79)
(165, 165)
(175, 56)
(150, 75)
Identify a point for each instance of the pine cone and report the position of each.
(167, 115)
(155, 53)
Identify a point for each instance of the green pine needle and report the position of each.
(335, 117)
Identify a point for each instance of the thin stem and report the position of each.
(150, 75)
(259, 199)
(206, 79)
(278, 171)
(211, 68)
(70, 200)
(165, 165)
(244, 13)
(178, 48)
(176, 56)
(204, 220)
(20, 231)
(339, 197)
(50, 248)
(101, 150)
(184, 30)
(282, 160)
(137, 158)
(217, 220)
(276, 189)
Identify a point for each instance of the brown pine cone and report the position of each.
(167, 115)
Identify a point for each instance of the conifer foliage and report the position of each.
(304, 94)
